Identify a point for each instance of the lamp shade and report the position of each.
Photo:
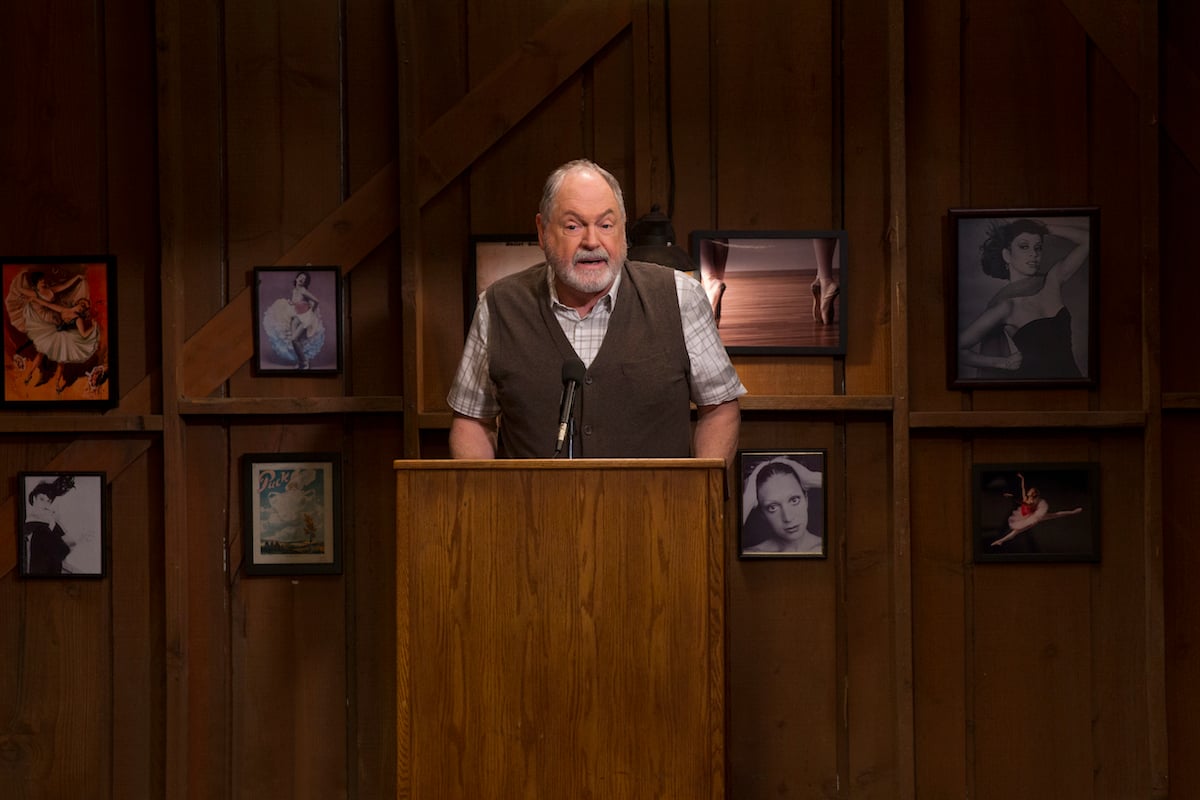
(652, 239)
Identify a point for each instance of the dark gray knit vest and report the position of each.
(634, 402)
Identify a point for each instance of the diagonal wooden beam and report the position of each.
(345, 237)
(1112, 25)
(1181, 90)
(513, 89)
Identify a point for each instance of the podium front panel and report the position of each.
(560, 629)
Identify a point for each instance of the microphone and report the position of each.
(572, 375)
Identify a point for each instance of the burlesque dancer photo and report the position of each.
(294, 324)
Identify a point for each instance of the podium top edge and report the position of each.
(558, 463)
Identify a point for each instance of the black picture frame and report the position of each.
(62, 524)
(292, 514)
(798, 526)
(60, 340)
(765, 293)
(999, 331)
(1062, 523)
(297, 329)
(496, 256)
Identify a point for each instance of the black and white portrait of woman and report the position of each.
(782, 503)
(62, 525)
(1024, 297)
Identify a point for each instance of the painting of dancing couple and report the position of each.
(1036, 512)
(1022, 293)
(59, 330)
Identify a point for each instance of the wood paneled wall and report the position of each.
(197, 141)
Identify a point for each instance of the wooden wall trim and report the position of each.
(1154, 669)
(1181, 86)
(902, 600)
(516, 87)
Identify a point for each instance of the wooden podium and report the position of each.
(560, 629)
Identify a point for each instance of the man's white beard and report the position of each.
(588, 281)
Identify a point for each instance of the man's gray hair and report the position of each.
(555, 182)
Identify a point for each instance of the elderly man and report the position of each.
(644, 334)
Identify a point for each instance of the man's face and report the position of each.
(785, 506)
(584, 238)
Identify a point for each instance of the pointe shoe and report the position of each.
(823, 299)
(717, 303)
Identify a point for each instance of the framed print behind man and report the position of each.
(1021, 294)
(775, 292)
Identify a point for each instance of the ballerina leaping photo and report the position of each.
(1036, 512)
(1032, 510)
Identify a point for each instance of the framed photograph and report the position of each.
(1021, 293)
(782, 504)
(775, 291)
(62, 524)
(494, 257)
(298, 320)
(1036, 512)
(293, 513)
(60, 331)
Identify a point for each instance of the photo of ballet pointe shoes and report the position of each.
(775, 291)
(1036, 512)
(59, 331)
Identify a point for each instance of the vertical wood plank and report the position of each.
(935, 178)
(1122, 649)
(871, 155)
(371, 563)
(136, 565)
(689, 201)
(901, 543)
(873, 686)
(1032, 681)
(1181, 564)
(1180, 192)
(939, 508)
(204, 725)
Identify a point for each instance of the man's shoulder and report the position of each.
(647, 268)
